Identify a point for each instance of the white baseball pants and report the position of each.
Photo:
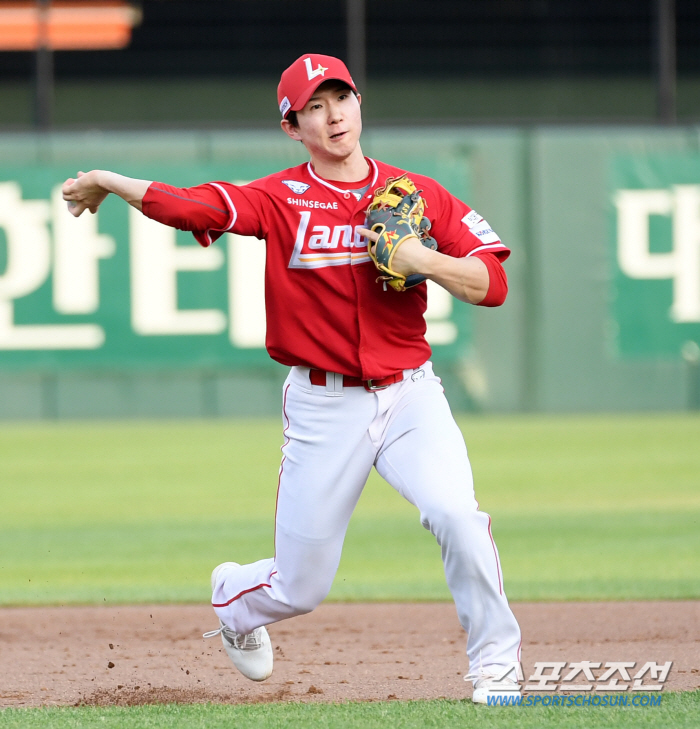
(334, 436)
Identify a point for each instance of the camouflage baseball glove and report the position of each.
(396, 213)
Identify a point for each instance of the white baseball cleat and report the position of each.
(499, 690)
(251, 653)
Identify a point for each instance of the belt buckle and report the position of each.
(371, 388)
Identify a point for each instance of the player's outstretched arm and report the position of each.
(467, 279)
(89, 189)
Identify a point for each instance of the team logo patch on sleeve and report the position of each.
(480, 228)
(298, 187)
(485, 233)
(471, 219)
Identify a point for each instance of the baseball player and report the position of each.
(361, 391)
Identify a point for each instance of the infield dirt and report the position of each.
(130, 655)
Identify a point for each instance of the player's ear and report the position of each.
(359, 99)
(290, 130)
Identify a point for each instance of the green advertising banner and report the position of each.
(656, 255)
(116, 291)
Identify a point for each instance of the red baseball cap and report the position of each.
(304, 76)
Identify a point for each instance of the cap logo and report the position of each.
(320, 71)
(284, 106)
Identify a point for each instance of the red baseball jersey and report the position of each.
(324, 306)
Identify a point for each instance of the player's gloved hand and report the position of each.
(395, 215)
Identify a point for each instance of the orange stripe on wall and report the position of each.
(70, 26)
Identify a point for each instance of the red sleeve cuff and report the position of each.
(498, 281)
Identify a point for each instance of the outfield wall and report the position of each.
(227, 102)
(116, 316)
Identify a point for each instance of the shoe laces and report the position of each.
(242, 642)
(481, 676)
(477, 677)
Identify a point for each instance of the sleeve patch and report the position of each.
(471, 219)
(485, 233)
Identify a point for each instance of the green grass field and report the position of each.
(677, 711)
(594, 507)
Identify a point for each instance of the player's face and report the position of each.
(330, 124)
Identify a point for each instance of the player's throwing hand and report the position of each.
(84, 193)
(89, 189)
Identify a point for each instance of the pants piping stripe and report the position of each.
(284, 458)
(495, 554)
(240, 594)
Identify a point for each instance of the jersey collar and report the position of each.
(372, 163)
